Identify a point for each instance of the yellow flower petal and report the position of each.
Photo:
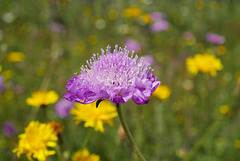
(94, 117)
(162, 92)
(84, 155)
(205, 63)
(35, 140)
(15, 57)
(40, 98)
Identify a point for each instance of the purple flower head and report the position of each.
(8, 129)
(215, 39)
(63, 108)
(149, 59)
(132, 44)
(159, 26)
(158, 16)
(117, 76)
(1, 84)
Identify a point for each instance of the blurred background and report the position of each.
(196, 117)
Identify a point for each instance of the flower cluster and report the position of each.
(95, 117)
(113, 76)
(35, 141)
(205, 63)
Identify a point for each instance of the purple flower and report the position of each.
(63, 108)
(159, 26)
(133, 45)
(8, 129)
(149, 59)
(1, 84)
(159, 22)
(158, 16)
(113, 76)
(215, 39)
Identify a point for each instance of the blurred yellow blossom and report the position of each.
(214, 5)
(205, 63)
(94, 117)
(146, 18)
(42, 98)
(35, 140)
(132, 12)
(224, 109)
(87, 10)
(199, 4)
(92, 39)
(0, 68)
(15, 57)
(112, 14)
(237, 144)
(221, 50)
(162, 92)
(83, 155)
(7, 74)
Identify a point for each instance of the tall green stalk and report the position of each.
(128, 133)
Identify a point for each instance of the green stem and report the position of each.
(87, 137)
(128, 133)
(59, 154)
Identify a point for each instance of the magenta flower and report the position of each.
(159, 26)
(149, 59)
(159, 22)
(1, 84)
(63, 108)
(215, 39)
(113, 76)
(132, 44)
(158, 16)
(8, 129)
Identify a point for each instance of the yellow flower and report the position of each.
(83, 155)
(41, 98)
(112, 14)
(95, 117)
(146, 18)
(7, 74)
(132, 12)
(162, 92)
(0, 68)
(224, 109)
(15, 57)
(199, 4)
(35, 140)
(205, 63)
